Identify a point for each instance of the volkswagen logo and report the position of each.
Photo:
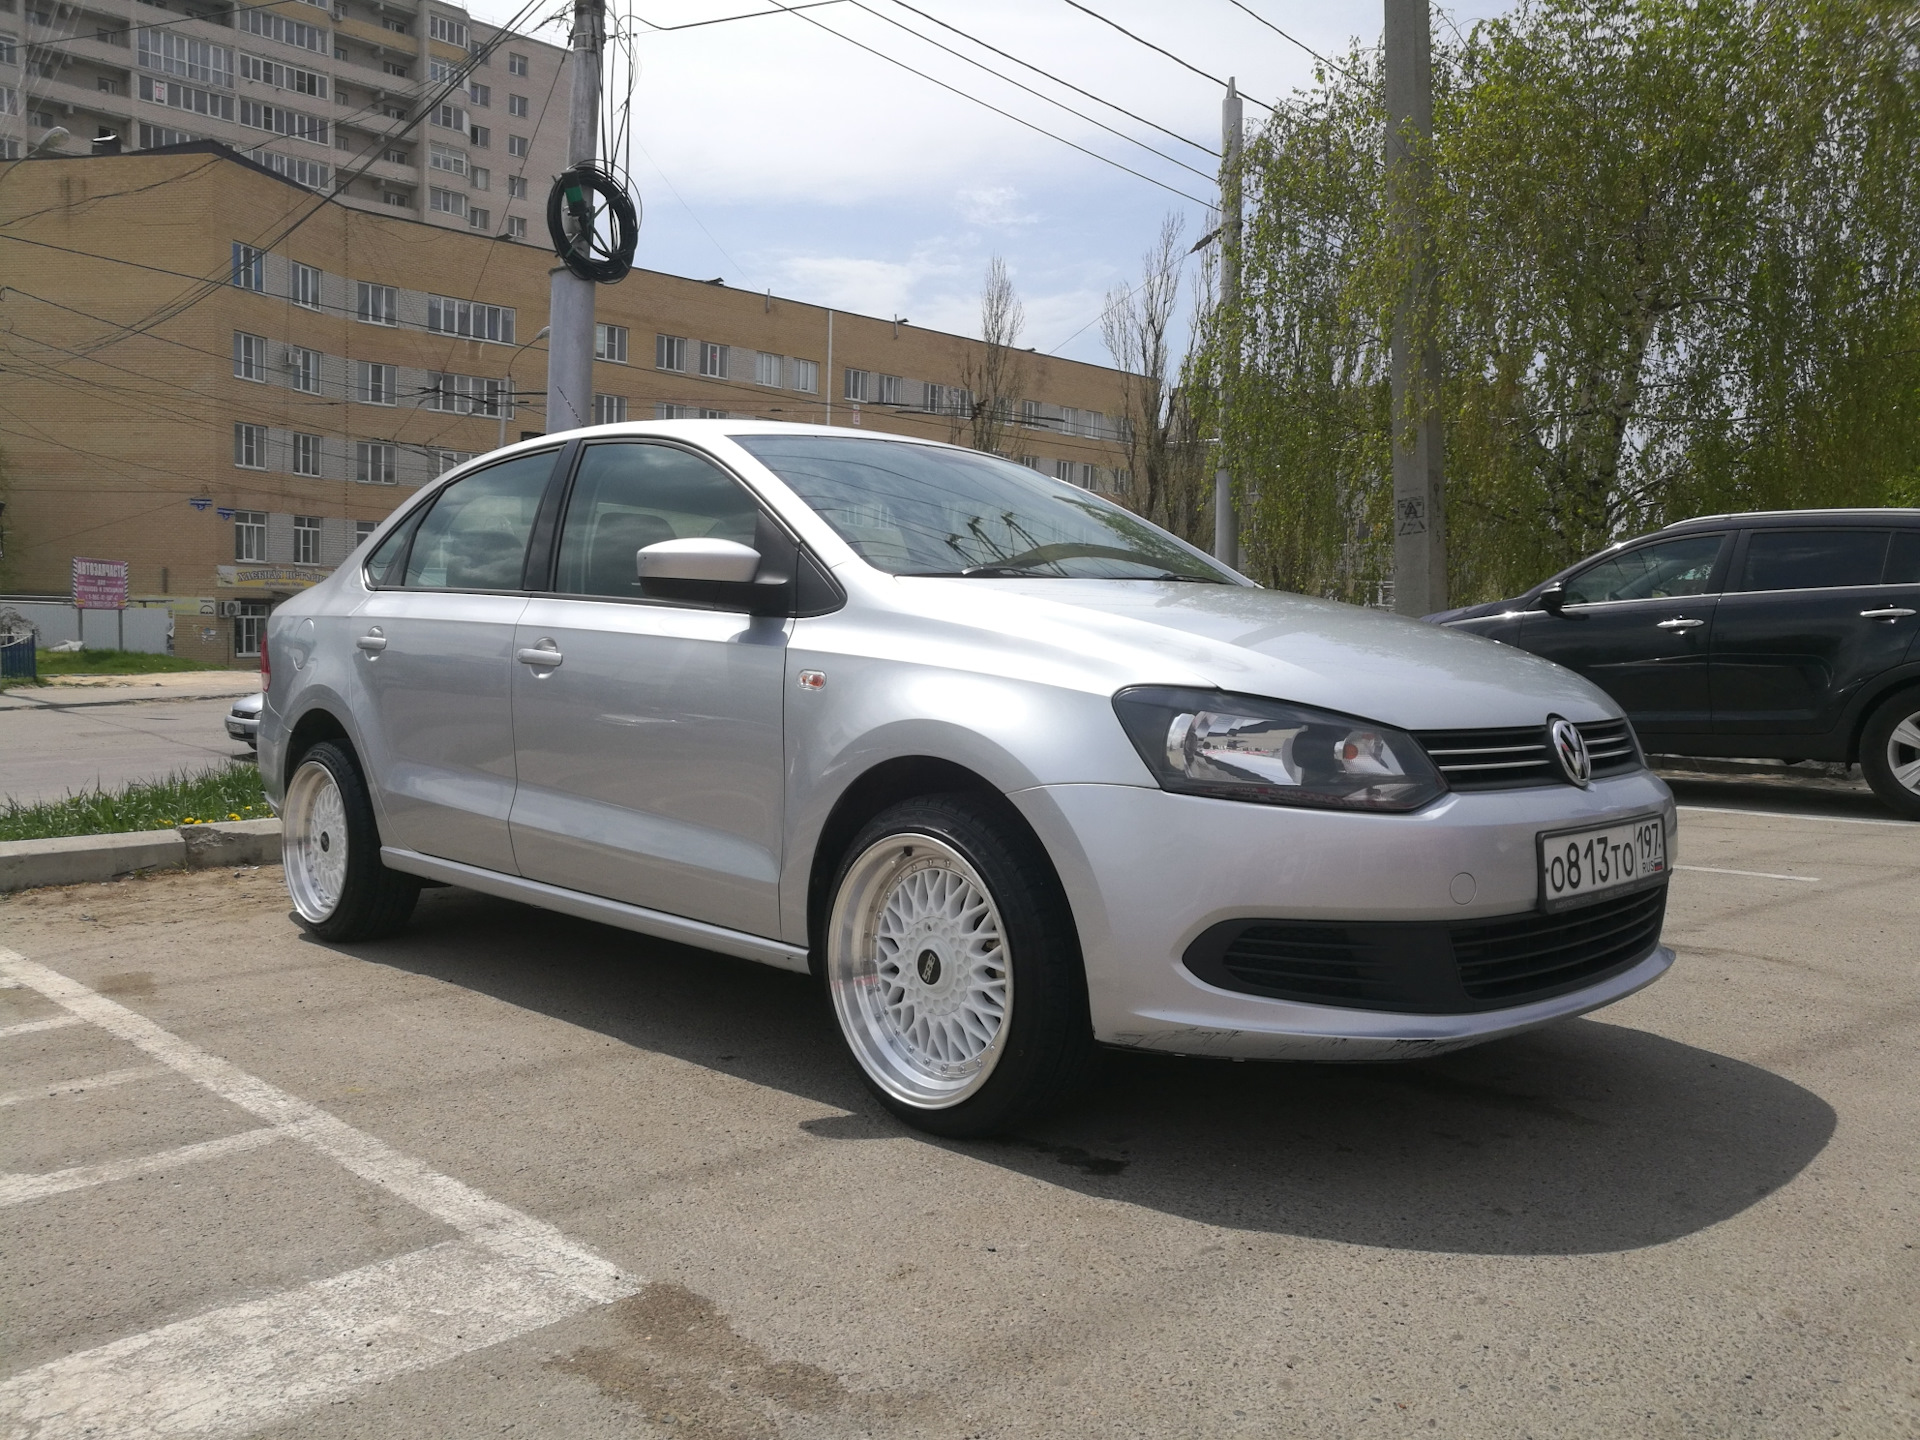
(1569, 749)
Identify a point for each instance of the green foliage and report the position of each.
(110, 662)
(1675, 259)
(185, 798)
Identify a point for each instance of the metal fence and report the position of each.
(18, 661)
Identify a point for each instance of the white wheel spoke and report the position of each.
(1907, 733)
(1909, 774)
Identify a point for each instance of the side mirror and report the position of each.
(714, 562)
(1553, 599)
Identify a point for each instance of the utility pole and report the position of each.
(1419, 498)
(570, 305)
(1226, 521)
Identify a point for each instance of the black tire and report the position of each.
(1889, 744)
(1041, 1049)
(358, 900)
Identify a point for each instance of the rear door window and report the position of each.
(1658, 571)
(475, 536)
(1903, 560)
(629, 496)
(1813, 559)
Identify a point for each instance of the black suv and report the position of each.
(1787, 634)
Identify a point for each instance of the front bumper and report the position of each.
(1147, 871)
(248, 730)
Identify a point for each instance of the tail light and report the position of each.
(266, 665)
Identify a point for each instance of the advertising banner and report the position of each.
(99, 584)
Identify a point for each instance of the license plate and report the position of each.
(1581, 866)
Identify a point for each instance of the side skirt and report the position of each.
(656, 923)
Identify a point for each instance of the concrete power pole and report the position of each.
(1226, 521)
(570, 306)
(1419, 508)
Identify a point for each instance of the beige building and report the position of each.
(227, 418)
(323, 92)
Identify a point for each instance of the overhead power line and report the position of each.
(1161, 50)
(1291, 39)
(989, 105)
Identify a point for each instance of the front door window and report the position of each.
(1660, 571)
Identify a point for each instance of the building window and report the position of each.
(362, 529)
(481, 136)
(516, 187)
(304, 286)
(517, 106)
(1063, 470)
(517, 145)
(306, 454)
(766, 369)
(249, 272)
(446, 202)
(889, 390)
(397, 157)
(478, 219)
(373, 383)
(445, 460)
(516, 228)
(154, 136)
(669, 352)
(399, 27)
(1030, 415)
(469, 318)
(804, 376)
(857, 384)
(481, 95)
(10, 55)
(399, 202)
(610, 343)
(249, 535)
(1089, 477)
(466, 394)
(373, 462)
(445, 157)
(450, 117)
(713, 358)
(249, 624)
(306, 539)
(442, 27)
(672, 412)
(609, 409)
(303, 369)
(1122, 482)
(250, 446)
(249, 356)
(380, 304)
(516, 63)
(480, 179)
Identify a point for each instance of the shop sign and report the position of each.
(99, 584)
(271, 577)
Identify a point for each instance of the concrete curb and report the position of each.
(77, 859)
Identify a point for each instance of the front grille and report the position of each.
(1517, 757)
(1431, 967)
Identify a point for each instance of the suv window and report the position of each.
(1649, 572)
(475, 536)
(1903, 561)
(1813, 559)
(627, 497)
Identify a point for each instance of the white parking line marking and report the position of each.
(27, 1027)
(18, 1189)
(1753, 874)
(81, 1086)
(1784, 815)
(239, 1368)
(243, 1366)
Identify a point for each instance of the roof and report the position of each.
(1775, 519)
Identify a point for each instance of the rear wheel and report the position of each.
(330, 848)
(954, 969)
(1890, 752)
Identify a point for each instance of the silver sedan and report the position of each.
(1015, 773)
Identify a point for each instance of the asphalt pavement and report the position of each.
(57, 740)
(514, 1173)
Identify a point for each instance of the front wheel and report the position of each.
(1890, 752)
(954, 969)
(330, 848)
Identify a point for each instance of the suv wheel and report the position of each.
(1890, 752)
(954, 970)
(331, 852)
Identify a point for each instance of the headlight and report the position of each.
(1241, 747)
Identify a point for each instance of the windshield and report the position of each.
(929, 510)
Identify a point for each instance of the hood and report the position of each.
(1366, 663)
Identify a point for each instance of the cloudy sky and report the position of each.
(778, 153)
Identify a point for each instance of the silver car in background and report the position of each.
(1015, 773)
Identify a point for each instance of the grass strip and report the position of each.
(183, 798)
(110, 662)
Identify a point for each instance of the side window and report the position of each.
(627, 497)
(386, 553)
(1813, 559)
(1651, 572)
(1903, 561)
(475, 536)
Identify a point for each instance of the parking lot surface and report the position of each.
(60, 740)
(513, 1173)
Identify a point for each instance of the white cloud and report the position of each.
(994, 207)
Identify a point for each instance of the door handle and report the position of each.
(543, 656)
(1891, 612)
(1680, 624)
(373, 642)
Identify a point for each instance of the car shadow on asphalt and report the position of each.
(1583, 1137)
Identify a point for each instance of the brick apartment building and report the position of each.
(320, 91)
(227, 403)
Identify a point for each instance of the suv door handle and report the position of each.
(543, 656)
(1680, 624)
(1891, 612)
(373, 642)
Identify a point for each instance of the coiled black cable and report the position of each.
(570, 223)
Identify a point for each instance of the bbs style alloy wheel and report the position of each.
(331, 852)
(1890, 752)
(953, 969)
